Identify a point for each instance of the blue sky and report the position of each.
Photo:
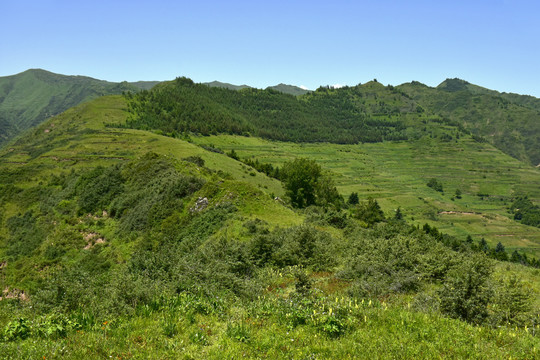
(495, 43)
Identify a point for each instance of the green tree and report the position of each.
(353, 199)
(368, 211)
(435, 185)
(512, 300)
(306, 184)
(300, 178)
(398, 215)
(500, 252)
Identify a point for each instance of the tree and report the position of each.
(483, 246)
(326, 193)
(500, 252)
(368, 211)
(435, 185)
(398, 215)
(512, 299)
(233, 154)
(458, 194)
(306, 184)
(353, 199)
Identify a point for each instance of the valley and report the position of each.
(133, 226)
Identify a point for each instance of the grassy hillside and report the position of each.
(126, 243)
(508, 121)
(396, 174)
(28, 98)
(480, 182)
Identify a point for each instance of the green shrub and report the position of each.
(97, 188)
(466, 291)
(26, 234)
(17, 329)
(368, 211)
(300, 245)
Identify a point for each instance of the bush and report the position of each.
(300, 245)
(17, 329)
(435, 185)
(466, 291)
(369, 212)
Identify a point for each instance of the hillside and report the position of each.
(29, 98)
(510, 122)
(367, 113)
(408, 142)
(127, 243)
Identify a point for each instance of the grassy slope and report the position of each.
(28, 98)
(78, 139)
(396, 173)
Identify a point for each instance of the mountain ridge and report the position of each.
(30, 97)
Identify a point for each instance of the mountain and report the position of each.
(284, 88)
(226, 85)
(289, 89)
(161, 224)
(348, 115)
(28, 98)
(508, 121)
(524, 100)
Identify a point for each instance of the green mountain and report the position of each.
(284, 88)
(508, 121)
(226, 85)
(289, 89)
(148, 225)
(29, 98)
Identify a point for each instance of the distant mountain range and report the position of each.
(284, 88)
(30, 97)
(511, 122)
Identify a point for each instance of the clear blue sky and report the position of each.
(492, 43)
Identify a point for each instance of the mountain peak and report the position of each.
(453, 85)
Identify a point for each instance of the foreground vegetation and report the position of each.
(148, 259)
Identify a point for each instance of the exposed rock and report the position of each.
(200, 204)
(13, 294)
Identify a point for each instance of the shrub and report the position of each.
(368, 211)
(17, 329)
(466, 291)
(435, 185)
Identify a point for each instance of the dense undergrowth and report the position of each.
(156, 259)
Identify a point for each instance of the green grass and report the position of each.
(396, 173)
(266, 329)
(31, 97)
